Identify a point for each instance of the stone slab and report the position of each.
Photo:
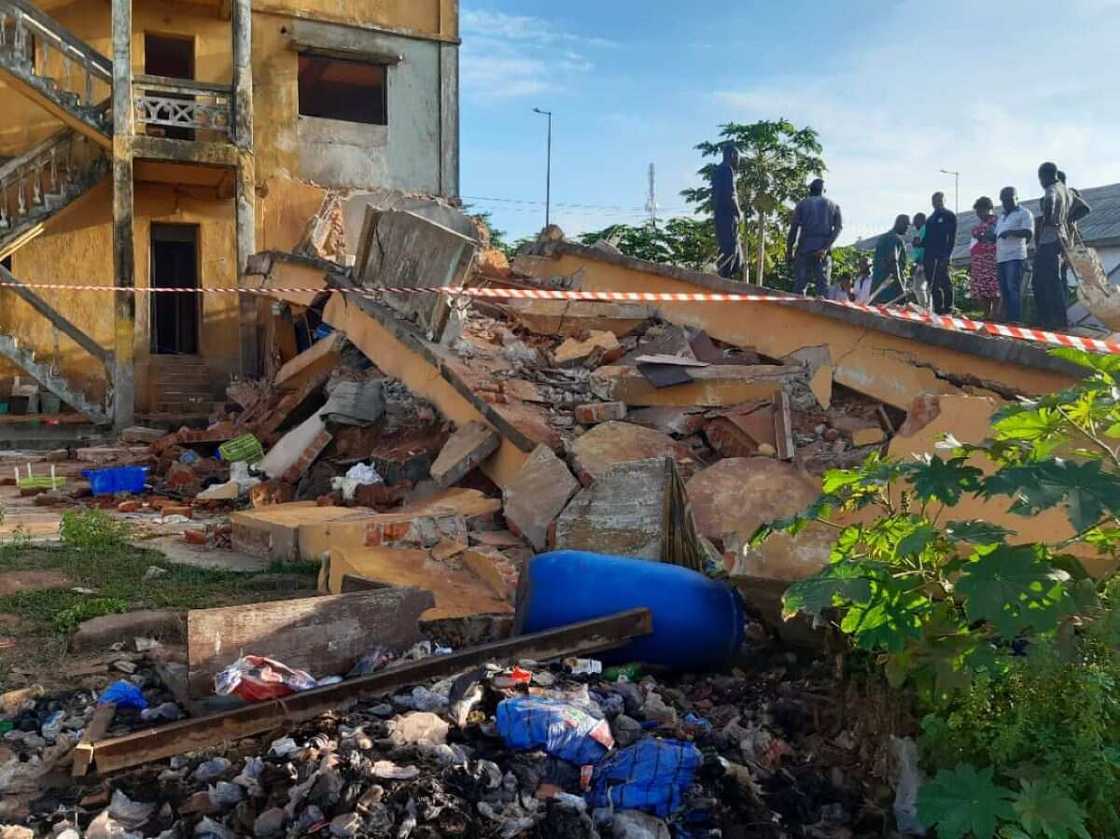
(621, 442)
(712, 387)
(537, 495)
(464, 451)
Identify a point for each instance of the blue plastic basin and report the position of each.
(698, 623)
(116, 479)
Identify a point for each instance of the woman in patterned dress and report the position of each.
(983, 279)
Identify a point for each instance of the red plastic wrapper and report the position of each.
(255, 678)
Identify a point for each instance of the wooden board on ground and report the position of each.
(458, 593)
(323, 635)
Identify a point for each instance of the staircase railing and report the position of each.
(47, 177)
(40, 46)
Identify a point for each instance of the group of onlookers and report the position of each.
(911, 261)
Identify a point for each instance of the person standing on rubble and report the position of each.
(728, 215)
(1053, 233)
(889, 266)
(1014, 230)
(939, 240)
(813, 230)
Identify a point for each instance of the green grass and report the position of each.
(116, 574)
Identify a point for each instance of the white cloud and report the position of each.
(510, 56)
(991, 100)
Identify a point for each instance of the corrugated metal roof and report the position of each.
(1102, 226)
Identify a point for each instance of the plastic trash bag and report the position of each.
(123, 694)
(256, 679)
(562, 729)
(652, 776)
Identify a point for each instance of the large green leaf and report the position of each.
(1087, 490)
(891, 616)
(977, 532)
(943, 480)
(815, 594)
(1012, 589)
(1045, 810)
(1108, 364)
(964, 801)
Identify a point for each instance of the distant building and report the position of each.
(1101, 230)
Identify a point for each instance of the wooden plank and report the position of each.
(783, 427)
(580, 639)
(323, 635)
(83, 752)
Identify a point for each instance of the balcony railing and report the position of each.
(184, 109)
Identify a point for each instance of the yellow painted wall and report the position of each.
(79, 251)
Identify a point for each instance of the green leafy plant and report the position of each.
(67, 620)
(966, 801)
(93, 531)
(940, 599)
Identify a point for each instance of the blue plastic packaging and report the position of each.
(698, 623)
(124, 694)
(116, 479)
(560, 728)
(652, 775)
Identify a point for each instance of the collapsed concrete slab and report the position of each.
(573, 318)
(313, 363)
(635, 509)
(400, 249)
(711, 386)
(888, 359)
(273, 532)
(537, 495)
(611, 443)
(457, 593)
(466, 449)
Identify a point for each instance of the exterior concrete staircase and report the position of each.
(44, 181)
(24, 358)
(47, 63)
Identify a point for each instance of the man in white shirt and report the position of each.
(1014, 230)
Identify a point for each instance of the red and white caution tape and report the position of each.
(957, 324)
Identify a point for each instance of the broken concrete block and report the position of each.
(307, 457)
(323, 635)
(289, 448)
(319, 359)
(355, 403)
(739, 495)
(104, 631)
(458, 593)
(273, 532)
(418, 531)
(537, 495)
(597, 412)
(680, 422)
(495, 569)
(818, 361)
(141, 434)
(400, 249)
(464, 451)
(713, 386)
(741, 433)
(868, 436)
(572, 318)
(636, 509)
(573, 352)
(621, 442)
(271, 493)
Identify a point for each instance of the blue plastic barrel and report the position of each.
(698, 623)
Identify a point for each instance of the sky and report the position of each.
(897, 89)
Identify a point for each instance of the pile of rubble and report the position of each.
(529, 750)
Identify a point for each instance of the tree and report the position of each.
(497, 237)
(687, 242)
(778, 161)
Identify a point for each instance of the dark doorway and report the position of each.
(170, 56)
(174, 316)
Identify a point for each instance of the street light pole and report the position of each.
(548, 173)
(956, 189)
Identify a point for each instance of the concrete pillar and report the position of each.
(246, 197)
(124, 261)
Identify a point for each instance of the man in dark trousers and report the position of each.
(1053, 232)
(814, 228)
(728, 216)
(939, 240)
